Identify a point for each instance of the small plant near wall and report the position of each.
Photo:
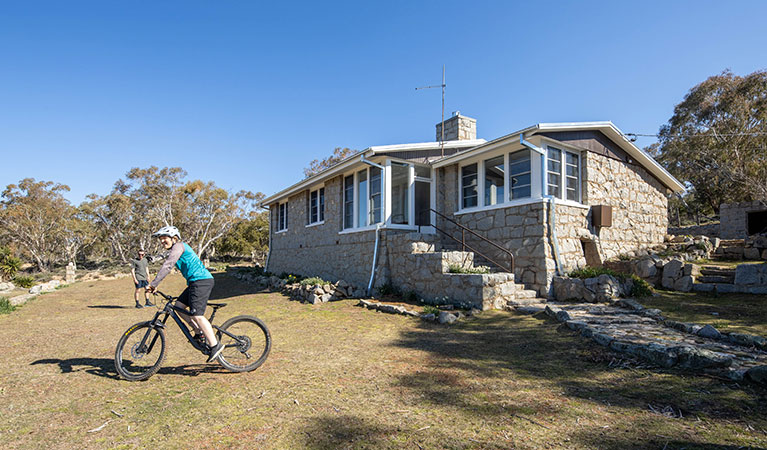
(24, 281)
(389, 289)
(455, 268)
(313, 281)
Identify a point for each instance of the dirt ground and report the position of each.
(340, 376)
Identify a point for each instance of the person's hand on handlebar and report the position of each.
(151, 289)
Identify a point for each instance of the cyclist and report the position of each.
(199, 284)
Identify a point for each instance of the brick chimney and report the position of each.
(458, 128)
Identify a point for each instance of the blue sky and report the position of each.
(247, 93)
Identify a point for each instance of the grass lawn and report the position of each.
(340, 376)
(742, 313)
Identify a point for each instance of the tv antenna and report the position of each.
(442, 124)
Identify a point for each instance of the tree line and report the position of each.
(716, 142)
(39, 224)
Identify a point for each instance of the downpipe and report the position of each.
(552, 215)
(375, 261)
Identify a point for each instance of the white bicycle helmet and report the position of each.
(167, 231)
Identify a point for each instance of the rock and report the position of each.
(19, 299)
(34, 290)
(430, 317)
(709, 332)
(446, 317)
(562, 315)
(645, 268)
(758, 375)
(751, 253)
(683, 284)
(630, 303)
(6, 287)
(747, 274)
(673, 269)
(698, 358)
(325, 298)
(567, 289)
(314, 299)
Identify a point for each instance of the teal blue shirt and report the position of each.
(186, 261)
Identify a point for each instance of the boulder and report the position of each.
(6, 287)
(446, 317)
(709, 332)
(673, 269)
(758, 375)
(645, 268)
(683, 284)
(747, 274)
(751, 253)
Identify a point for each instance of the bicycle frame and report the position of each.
(171, 310)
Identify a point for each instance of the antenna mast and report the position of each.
(442, 124)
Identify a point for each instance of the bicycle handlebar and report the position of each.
(165, 296)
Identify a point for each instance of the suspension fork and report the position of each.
(154, 324)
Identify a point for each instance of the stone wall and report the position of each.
(710, 230)
(732, 218)
(319, 250)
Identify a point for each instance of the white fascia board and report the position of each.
(367, 153)
(486, 146)
(317, 178)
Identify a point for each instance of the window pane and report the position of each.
(469, 183)
(313, 207)
(400, 193)
(554, 173)
(423, 172)
(375, 195)
(572, 169)
(362, 194)
(494, 176)
(519, 174)
(322, 204)
(422, 203)
(349, 201)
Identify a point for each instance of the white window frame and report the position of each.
(565, 149)
(282, 217)
(320, 206)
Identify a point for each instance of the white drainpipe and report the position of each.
(552, 206)
(378, 226)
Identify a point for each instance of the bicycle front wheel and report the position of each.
(140, 352)
(246, 343)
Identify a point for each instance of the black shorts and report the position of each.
(195, 296)
(141, 284)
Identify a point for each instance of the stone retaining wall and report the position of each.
(710, 230)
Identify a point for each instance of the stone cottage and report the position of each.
(532, 204)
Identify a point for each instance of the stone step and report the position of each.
(525, 293)
(732, 242)
(721, 288)
(527, 302)
(716, 270)
(717, 279)
(532, 308)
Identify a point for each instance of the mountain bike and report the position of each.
(141, 349)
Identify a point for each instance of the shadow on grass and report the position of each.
(111, 307)
(344, 432)
(104, 367)
(496, 347)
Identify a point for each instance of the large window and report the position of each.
(519, 174)
(349, 201)
(282, 217)
(567, 170)
(400, 193)
(375, 195)
(317, 206)
(494, 178)
(469, 190)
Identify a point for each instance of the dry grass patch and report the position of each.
(341, 376)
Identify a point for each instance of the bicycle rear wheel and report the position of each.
(250, 346)
(140, 352)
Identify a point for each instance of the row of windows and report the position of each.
(500, 188)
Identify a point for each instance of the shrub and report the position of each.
(24, 281)
(9, 264)
(641, 288)
(313, 281)
(593, 272)
(389, 289)
(455, 268)
(429, 309)
(411, 296)
(5, 306)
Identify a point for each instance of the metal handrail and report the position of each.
(463, 243)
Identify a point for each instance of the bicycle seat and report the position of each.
(216, 305)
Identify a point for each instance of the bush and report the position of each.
(641, 288)
(593, 272)
(313, 281)
(454, 268)
(9, 264)
(24, 281)
(429, 309)
(389, 289)
(5, 306)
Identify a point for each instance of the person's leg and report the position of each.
(199, 292)
(203, 324)
(135, 296)
(146, 294)
(184, 300)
